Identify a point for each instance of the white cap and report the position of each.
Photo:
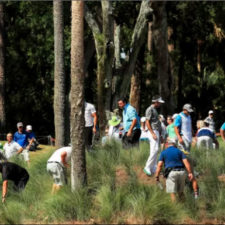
(162, 117)
(143, 119)
(28, 127)
(20, 124)
(188, 107)
(175, 116)
(158, 99)
(210, 112)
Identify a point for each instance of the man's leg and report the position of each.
(135, 137)
(126, 141)
(151, 163)
(88, 137)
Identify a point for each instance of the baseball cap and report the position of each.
(157, 98)
(188, 107)
(174, 116)
(210, 112)
(28, 127)
(143, 119)
(20, 124)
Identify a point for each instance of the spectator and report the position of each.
(131, 124)
(31, 138)
(115, 128)
(57, 165)
(210, 120)
(163, 130)
(144, 130)
(175, 163)
(12, 148)
(154, 126)
(222, 132)
(206, 137)
(15, 173)
(170, 129)
(183, 128)
(90, 124)
(21, 137)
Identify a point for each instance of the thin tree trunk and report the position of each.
(78, 162)
(2, 69)
(149, 44)
(59, 76)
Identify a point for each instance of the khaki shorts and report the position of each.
(175, 182)
(57, 172)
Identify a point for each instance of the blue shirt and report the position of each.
(172, 157)
(31, 135)
(178, 120)
(206, 132)
(21, 138)
(129, 114)
(223, 127)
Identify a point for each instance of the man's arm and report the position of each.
(131, 127)
(188, 168)
(4, 190)
(63, 159)
(150, 129)
(159, 168)
(222, 134)
(95, 121)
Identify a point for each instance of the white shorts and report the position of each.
(175, 182)
(25, 155)
(57, 172)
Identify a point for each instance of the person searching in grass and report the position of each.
(222, 132)
(13, 172)
(175, 162)
(206, 137)
(56, 166)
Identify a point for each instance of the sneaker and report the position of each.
(147, 173)
(196, 195)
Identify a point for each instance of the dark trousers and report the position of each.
(88, 134)
(133, 140)
(21, 184)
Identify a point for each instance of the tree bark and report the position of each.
(160, 42)
(149, 43)
(78, 162)
(2, 69)
(138, 39)
(59, 76)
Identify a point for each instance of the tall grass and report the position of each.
(105, 200)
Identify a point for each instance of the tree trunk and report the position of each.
(149, 43)
(160, 42)
(59, 76)
(108, 55)
(138, 39)
(2, 69)
(78, 162)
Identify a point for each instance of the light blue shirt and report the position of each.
(129, 114)
(223, 126)
(183, 122)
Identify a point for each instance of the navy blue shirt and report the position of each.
(172, 157)
(206, 132)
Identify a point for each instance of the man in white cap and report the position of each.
(31, 138)
(183, 128)
(210, 120)
(154, 126)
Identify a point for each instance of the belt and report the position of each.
(56, 162)
(178, 169)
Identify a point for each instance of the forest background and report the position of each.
(175, 49)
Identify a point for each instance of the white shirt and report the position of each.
(11, 149)
(89, 109)
(56, 156)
